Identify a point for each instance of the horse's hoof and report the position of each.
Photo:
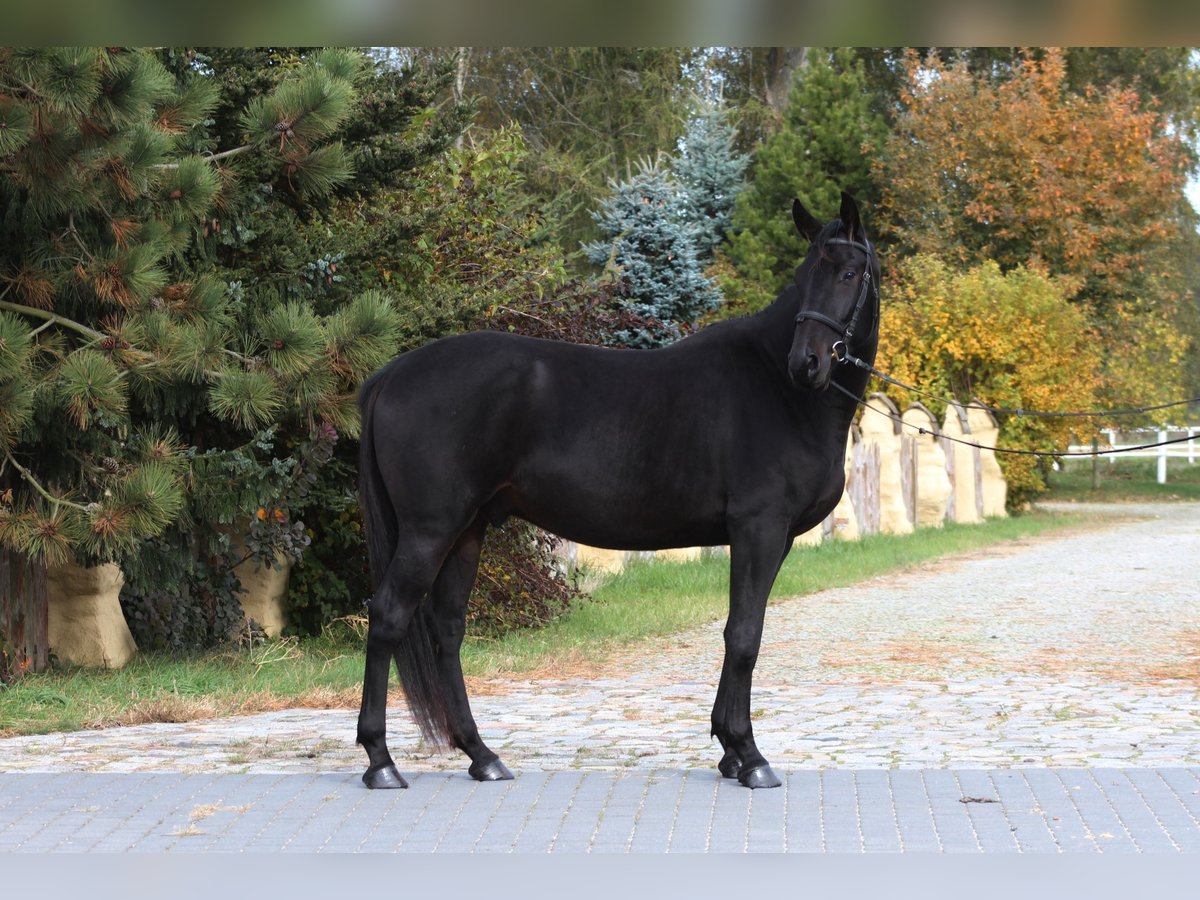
(384, 777)
(492, 771)
(759, 777)
(730, 765)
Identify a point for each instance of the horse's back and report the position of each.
(598, 444)
(484, 375)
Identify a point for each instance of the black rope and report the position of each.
(1050, 453)
(1018, 411)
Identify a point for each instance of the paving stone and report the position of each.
(1052, 797)
(802, 815)
(877, 815)
(1036, 674)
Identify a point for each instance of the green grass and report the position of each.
(156, 687)
(652, 599)
(647, 600)
(1124, 480)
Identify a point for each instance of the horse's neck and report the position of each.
(773, 328)
(853, 380)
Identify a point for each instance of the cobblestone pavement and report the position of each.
(1059, 653)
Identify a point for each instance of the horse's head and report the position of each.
(838, 284)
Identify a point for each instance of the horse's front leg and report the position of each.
(756, 550)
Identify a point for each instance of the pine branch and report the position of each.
(71, 230)
(55, 319)
(52, 318)
(210, 157)
(33, 483)
(225, 154)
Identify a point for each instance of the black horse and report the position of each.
(726, 437)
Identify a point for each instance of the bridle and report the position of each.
(867, 286)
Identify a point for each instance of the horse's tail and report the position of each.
(378, 515)
(415, 653)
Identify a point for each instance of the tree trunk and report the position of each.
(460, 83)
(24, 641)
(782, 63)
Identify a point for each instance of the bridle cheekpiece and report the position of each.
(867, 286)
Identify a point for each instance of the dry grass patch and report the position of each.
(899, 658)
(166, 708)
(1187, 669)
(206, 810)
(171, 708)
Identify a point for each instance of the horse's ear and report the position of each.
(805, 223)
(849, 216)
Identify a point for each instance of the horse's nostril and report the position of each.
(812, 364)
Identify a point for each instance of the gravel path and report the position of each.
(1078, 650)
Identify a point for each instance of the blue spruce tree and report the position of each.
(710, 174)
(648, 239)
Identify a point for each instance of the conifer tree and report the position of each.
(587, 114)
(648, 240)
(710, 175)
(824, 146)
(111, 324)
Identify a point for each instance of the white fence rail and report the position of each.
(1124, 441)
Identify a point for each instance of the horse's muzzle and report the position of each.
(810, 369)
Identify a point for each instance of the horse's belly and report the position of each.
(620, 520)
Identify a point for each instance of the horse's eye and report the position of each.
(849, 275)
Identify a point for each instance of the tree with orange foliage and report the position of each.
(1026, 172)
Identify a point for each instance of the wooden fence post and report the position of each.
(963, 466)
(932, 491)
(890, 509)
(24, 614)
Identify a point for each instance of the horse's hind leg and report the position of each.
(448, 612)
(390, 616)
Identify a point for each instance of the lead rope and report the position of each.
(847, 357)
(1047, 453)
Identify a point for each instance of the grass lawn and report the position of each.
(650, 599)
(1124, 480)
(646, 600)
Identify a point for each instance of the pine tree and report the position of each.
(111, 324)
(825, 146)
(710, 174)
(587, 112)
(649, 241)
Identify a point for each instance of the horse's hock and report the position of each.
(85, 625)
